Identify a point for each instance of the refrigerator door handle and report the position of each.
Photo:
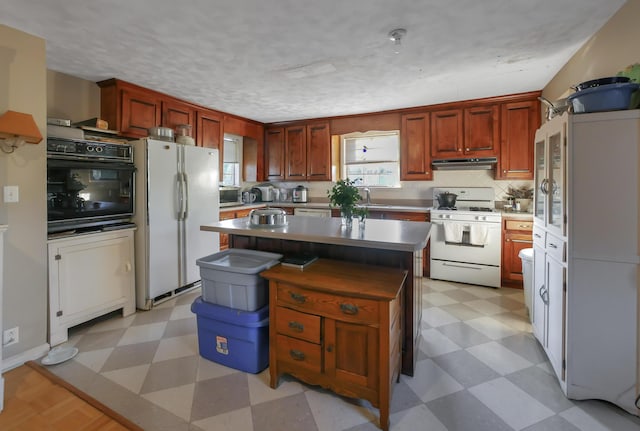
(180, 196)
(185, 196)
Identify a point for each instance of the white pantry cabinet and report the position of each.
(586, 254)
(89, 276)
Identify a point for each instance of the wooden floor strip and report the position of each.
(39, 400)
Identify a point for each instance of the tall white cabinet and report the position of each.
(586, 253)
(89, 275)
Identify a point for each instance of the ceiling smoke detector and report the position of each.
(396, 37)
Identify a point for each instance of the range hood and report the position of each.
(477, 163)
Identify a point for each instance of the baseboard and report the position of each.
(28, 355)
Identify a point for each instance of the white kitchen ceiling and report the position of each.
(274, 60)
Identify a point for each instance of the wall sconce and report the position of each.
(16, 129)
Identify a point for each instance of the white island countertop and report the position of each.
(379, 234)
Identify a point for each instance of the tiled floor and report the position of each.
(479, 369)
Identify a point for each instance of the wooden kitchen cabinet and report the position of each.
(299, 152)
(415, 148)
(482, 131)
(337, 325)
(89, 276)
(295, 142)
(519, 122)
(473, 131)
(318, 152)
(274, 154)
(209, 130)
(176, 113)
(516, 235)
(228, 215)
(447, 133)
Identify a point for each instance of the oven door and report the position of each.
(486, 254)
(85, 193)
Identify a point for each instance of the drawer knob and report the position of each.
(296, 355)
(296, 326)
(297, 297)
(349, 309)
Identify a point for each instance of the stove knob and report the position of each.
(89, 148)
(99, 149)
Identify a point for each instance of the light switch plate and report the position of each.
(11, 194)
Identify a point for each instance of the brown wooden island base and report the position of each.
(338, 325)
(384, 259)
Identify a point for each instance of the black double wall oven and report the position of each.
(90, 185)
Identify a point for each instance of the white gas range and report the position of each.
(466, 242)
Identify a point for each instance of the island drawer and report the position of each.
(298, 353)
(298, 325)
(348, 309)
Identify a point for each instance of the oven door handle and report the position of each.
(461, 266)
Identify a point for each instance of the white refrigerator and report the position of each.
(176, 193)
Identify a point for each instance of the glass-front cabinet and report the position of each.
(550, 175)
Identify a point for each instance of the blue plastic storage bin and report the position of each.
(609, 97)
(236, 338)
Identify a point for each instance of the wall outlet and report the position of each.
(11, 194)
(10, 336)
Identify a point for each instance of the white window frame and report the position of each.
(394, 160)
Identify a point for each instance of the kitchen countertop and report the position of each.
(377, 234)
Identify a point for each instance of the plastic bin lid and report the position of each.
(526, 254)
(251, 319)
(239, 260)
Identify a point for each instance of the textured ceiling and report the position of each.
(274, 60)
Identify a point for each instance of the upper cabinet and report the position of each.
(519, 122)
(465, 132)
(447, 133)
(175, 113)
(415, 153)
(209, 127)
(298, 152)
(482, 131)
(130, 111)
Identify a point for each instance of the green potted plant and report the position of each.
(345, 195)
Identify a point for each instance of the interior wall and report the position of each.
(609, 51)
(71, 98)
(23, 89)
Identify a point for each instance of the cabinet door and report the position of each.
(175, 113)
(511, 263)
(140, 112)
(539, 309)
(274, 153)
(209, 130)
(482, 131)
(93, 275)
(555, 189)
(415, 150)
(318, 152)
(295, 153)
(519, 121)
(351, 353)
(555, 314)
(446, 133)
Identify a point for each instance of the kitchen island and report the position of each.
(390, 243)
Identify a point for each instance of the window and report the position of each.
(231, 160)
(372, 158)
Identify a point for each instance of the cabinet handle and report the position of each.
(296, 326)
(525, 226)
(330, 348)
(297, 297)
(552, 245)
(524, 241)
(349, 309)
(297, 355)
(537, 235)
(544, 294)
(127, 267)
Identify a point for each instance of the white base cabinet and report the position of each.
(587, 254)
(89, 276)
